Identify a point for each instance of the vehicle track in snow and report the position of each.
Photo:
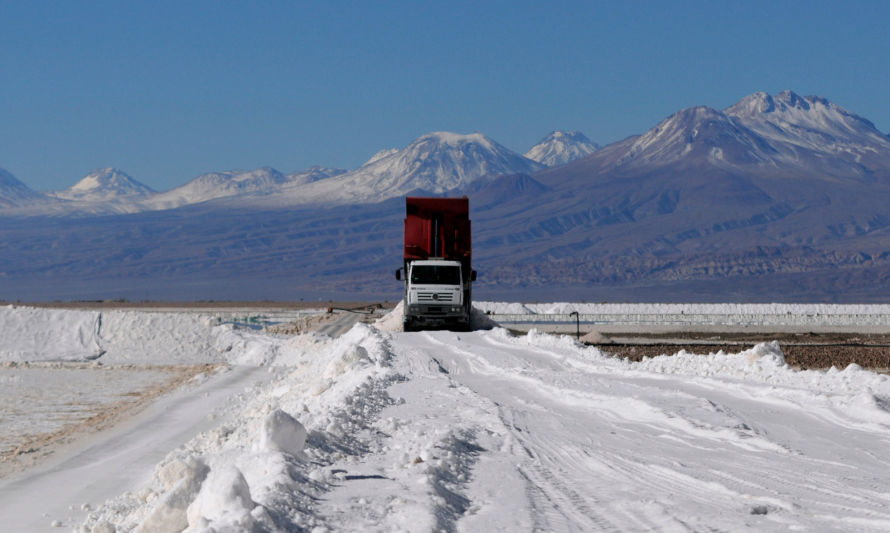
(604, 443)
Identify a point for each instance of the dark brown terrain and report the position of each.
(802, 350)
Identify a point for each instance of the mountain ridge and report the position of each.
(702, 206)
(784, 131)
(437, 162)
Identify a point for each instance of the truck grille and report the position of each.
(444, 297)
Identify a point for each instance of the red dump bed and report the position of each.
(438, 227)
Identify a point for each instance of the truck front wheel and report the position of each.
(463, 325)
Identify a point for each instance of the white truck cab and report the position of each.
(434, 295)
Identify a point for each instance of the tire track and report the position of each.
(603, 444)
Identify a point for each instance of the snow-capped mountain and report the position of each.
(313, 174)
(436, 163)
(813, 133)
(785, 133)
(778, 150)
(809, 121)
(561, 147)
(14, 193)
(263, 187)
(692, 133)
(442, 161)
(381, 154)
(215, 185)
(105, 184)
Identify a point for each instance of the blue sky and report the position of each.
(168, 90)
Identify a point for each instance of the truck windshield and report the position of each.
(435, 275)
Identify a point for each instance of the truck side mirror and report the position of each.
(399, 274)
(472, 275)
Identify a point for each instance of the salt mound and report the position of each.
(347, 358)
(283, 433)
(392, 321)
(31, 334)
(34, 334)
(183, 480)
(595, 337)
(767, 352)
(224, 503)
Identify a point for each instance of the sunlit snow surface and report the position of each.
(484, 431)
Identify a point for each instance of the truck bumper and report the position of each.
(423, 316)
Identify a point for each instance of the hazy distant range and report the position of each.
(776, 198)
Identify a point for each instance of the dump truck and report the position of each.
(437, 268)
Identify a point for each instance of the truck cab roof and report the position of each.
(435, 262)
